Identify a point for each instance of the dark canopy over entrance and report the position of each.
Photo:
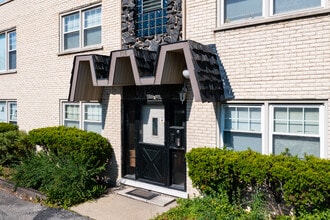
(140, 67)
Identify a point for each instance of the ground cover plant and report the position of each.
(70, 167)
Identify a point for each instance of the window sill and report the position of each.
(272, 19)
(80, 50)
(8, 72)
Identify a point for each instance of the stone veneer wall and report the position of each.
(173, 29)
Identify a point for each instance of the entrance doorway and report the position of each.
(154, 136)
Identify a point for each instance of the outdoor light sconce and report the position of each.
(185, 74)
(183, 93)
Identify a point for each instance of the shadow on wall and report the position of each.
(112, 170)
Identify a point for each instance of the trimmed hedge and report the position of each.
(69, 169)
(62, 140)
(301, 184)
(14, 147)
(4, 127)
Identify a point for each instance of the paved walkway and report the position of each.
(114, 206)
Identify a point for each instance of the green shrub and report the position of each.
(65, 180)
(13, 147)
(301, 184)
(62, 140)
(69, 169)
(4, 127)
(213, 207)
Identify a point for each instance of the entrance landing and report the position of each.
(146, 196)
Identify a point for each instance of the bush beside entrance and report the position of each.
(287, 182)
(70, 167)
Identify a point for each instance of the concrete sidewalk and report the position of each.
(115, 206)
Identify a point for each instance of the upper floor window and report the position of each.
(240, 10)
(8, 111)
(7, 51)
(152, 17)
(281, 6)
(81, 29)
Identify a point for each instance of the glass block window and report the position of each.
(82, 29)
(8, 51)
(85, 116)
(281, 6)
(242, 127)
(151, 17)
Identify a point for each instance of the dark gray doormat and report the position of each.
(145, 194)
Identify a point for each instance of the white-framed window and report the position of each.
(8, 111)
(273, 128)
(81, 29)
(85, 116)
(242, 127)
(296, 128)
(7, 51)
(243, 10)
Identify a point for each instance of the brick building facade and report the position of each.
(275, 56)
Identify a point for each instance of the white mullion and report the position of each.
(82, 115)
(271, 7)
(81, 28)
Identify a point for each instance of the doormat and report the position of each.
(145, 194)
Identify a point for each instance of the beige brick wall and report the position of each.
(43, 76)
(111, 102)
(284, 60)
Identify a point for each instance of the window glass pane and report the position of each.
(311, 114)
(71, 124)
(280, 119)
(92, 36)
(295, 120)
(12, 111)
(71, 112)
(12, 60)
(71, 23)
(294, 5)
(311, 121)
(151, 5)
(297, 145)
(93, 126)
(93, 112)
(2, 51)
(71, 40)
(241, 9)
(12, 40)
(242, 141)
(3, 112)
(92, 17)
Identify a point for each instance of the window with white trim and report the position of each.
(8, 111)
(242, 128)
(297, 127)
(81, 29)
(85, 116)
(241, 10)
(7, 51)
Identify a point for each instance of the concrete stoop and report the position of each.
(158, 199)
